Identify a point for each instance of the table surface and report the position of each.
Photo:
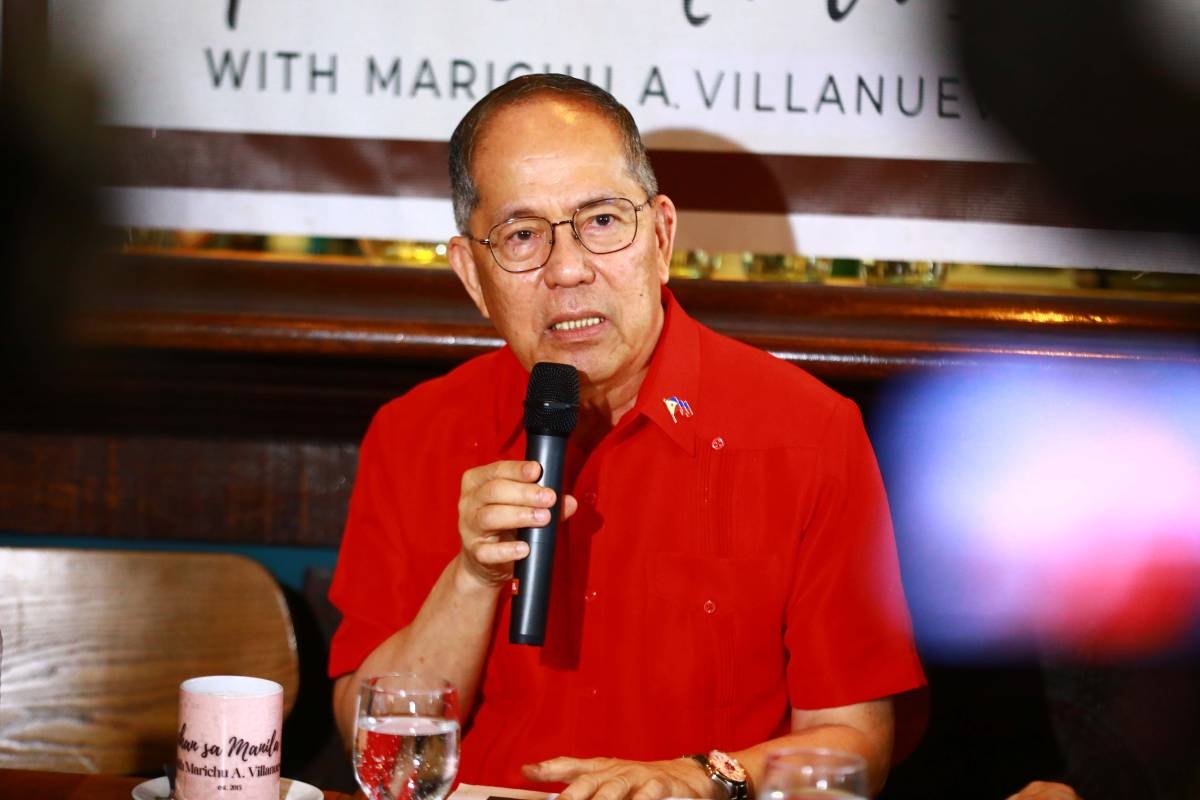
(25, 784)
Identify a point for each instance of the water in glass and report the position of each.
(406, 738)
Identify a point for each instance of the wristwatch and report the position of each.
(726, 772)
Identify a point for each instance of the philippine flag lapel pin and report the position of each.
(675, 406)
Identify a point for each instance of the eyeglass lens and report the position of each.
(604, 226)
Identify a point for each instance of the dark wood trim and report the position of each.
(750, 182)
(300, 309)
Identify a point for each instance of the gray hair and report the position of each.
(463, 191)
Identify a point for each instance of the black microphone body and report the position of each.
(531, 597)
(551, 406)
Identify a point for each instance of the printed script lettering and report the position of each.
(236, 747)
(837, 10)
(244, 750)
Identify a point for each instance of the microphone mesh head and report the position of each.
(552, 399)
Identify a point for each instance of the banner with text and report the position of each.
(824, 127)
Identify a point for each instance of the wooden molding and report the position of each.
(271, 307)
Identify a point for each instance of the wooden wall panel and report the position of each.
(238, 491)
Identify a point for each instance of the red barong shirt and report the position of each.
(732, 558)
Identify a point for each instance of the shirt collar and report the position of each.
(673, 377)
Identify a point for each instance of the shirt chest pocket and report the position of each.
(712, 628)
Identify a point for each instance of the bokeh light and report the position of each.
(1041, 506)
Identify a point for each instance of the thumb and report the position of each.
(569, 506)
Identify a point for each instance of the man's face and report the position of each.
(546, 157)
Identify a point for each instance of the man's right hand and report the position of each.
(451, 632)
(496, 500)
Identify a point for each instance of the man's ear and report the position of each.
(665, 221)
(462, 261)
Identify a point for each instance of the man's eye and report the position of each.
(522, 235)
(602, 220)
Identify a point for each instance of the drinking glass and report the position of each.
(814, 774)
(406, 737)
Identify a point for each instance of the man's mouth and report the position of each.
(576, 324)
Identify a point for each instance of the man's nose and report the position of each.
(569, 262)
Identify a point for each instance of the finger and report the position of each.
(495, 553)
(615, 786)
(653, 789)
(561, 769)
(492, 519)
(520, 471)
(503, 491)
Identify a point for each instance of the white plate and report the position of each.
(159, 788)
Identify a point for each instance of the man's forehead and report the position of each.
(546, 134)
(540, 111)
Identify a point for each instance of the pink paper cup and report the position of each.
(229, 738)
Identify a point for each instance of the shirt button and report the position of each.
(718, 443)
(710, 607)
(592, 595)
(592, 692)
(589, 498)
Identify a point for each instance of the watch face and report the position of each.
(728, 766)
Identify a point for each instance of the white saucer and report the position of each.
(160, 789)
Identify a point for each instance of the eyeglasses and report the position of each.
(523, 244)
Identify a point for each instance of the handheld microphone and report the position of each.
(551, 408)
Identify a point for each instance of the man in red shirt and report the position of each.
(725, 581)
